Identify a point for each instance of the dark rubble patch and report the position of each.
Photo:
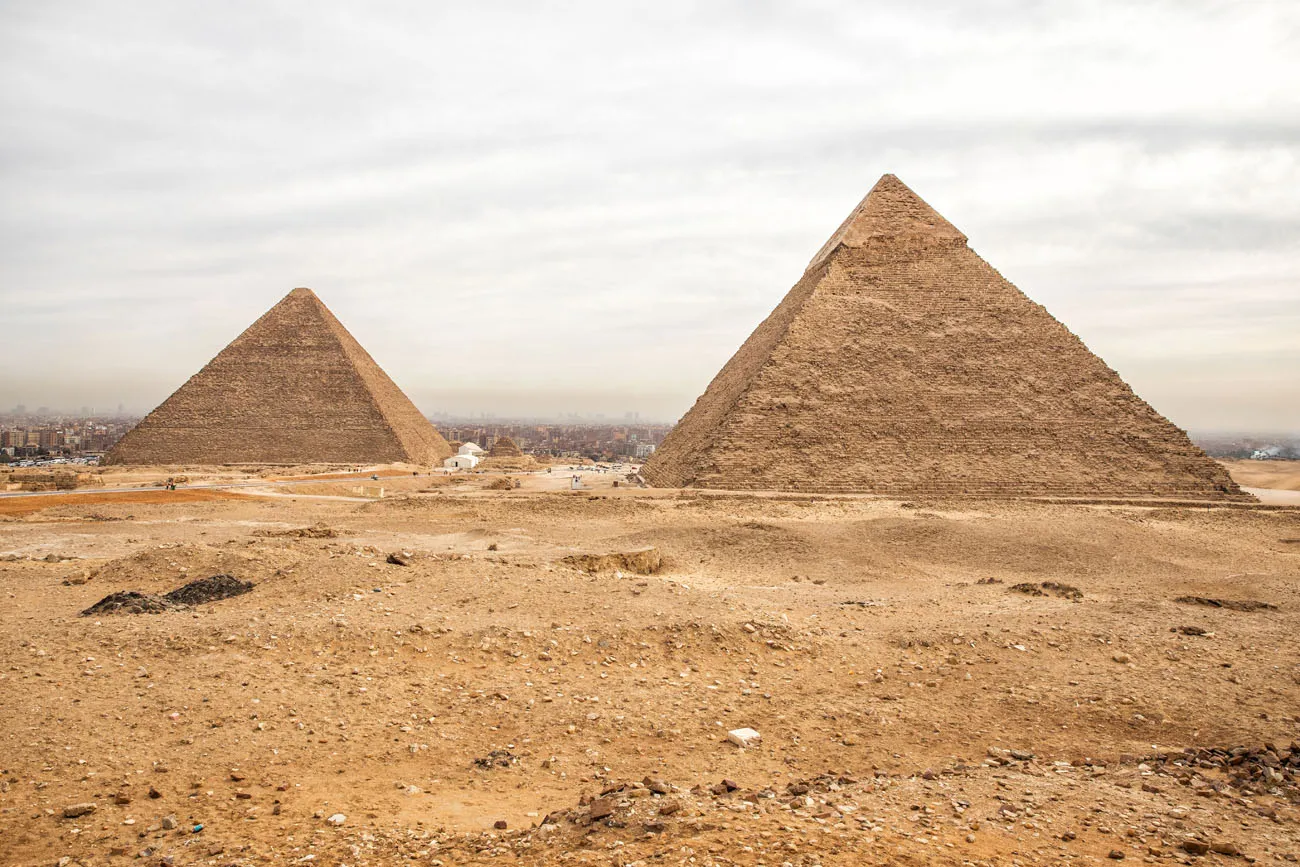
(130, 602)
(198, 592)
(496, 759)
(1054, 588)
(1230, 604)
(209, 589)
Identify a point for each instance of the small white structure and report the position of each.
(461, 461)
(470, 449)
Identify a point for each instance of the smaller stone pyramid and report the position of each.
(902, 364)
(504, 447)
(295, 388)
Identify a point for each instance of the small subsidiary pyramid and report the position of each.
(903, 364)
(295, 388)
(504, 447)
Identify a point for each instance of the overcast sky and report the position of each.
(530, 208)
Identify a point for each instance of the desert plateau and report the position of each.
(462, 671)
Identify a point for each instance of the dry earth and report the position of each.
(1277, 475)
(914, 706)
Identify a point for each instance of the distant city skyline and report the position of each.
(526, 210)
(629, 417)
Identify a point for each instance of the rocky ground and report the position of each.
(460, 675)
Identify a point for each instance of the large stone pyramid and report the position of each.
(295, 388)
(903, 364)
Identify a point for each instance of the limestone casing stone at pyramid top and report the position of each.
(903, 364)
(294, 388)
(890, 211)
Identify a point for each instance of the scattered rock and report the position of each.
(659, 787)
(169, 823)
(745, 737)
(74, 811)
(399, 559)
(601, 808)
(1230, 604)
(337, 819)
(1195, 847)
(317, 531)
(500, 825)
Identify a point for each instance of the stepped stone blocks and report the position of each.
(505, 447)
(903, 364)
(295, 388)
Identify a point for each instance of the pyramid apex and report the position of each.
(891, 210)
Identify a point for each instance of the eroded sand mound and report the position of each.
(160, 567)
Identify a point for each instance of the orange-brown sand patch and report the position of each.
(17, 506)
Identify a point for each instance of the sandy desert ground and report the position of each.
(1272, 476)
(933, 682)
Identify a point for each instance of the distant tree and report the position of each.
(4, 457)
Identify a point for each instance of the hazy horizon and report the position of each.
(530, 212)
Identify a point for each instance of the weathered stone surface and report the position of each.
(903, 364)
(294, 388)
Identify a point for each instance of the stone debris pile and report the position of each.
(198, 592)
